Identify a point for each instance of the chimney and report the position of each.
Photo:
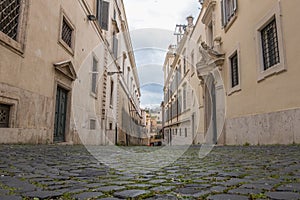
(190, 20)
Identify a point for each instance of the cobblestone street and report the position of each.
(71, 172)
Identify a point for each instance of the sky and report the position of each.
(152, 24)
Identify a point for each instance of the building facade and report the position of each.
(181, 91)
(246, 60)
(62, 69)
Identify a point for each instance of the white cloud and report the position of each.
(152, 24)
(164, 14)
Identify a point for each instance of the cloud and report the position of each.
(152, 95)
(162, 14)
(152, 24)
(150, 74)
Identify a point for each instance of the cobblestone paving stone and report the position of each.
(227, 173)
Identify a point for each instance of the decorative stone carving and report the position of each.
(211, 58)
(66, 68)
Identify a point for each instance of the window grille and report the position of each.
(66, 34)
(4, 115)
(234, 70)
(9, 17)
(270, 48)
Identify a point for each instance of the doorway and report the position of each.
(210, 110)
(60, 115)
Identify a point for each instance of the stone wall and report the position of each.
(281, 127)
(31, 116)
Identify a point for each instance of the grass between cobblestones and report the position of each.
(267, 168)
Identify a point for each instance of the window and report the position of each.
(111, 92)
(92, 124)
(184, 97)
(210, 35)
(234, 82)
(185, 132)
(270, 49)
(123, 63)
(13, 23)
(115, 15)
(110, 126)
(94, 76)
(269, 44)
(234, 70)
(184, 65)
(128, 75)
(179, 101)
(193, 60)
(67, 33)
(10, 17)
(115, 46)
(229, 8)
(4, 115)
(102, 14)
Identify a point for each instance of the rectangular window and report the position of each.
(4, 115)
(110, 126)
(115, 46)
(9, 17)
(229, 8)
(92, 124)
(179, 101)
(234, 70)
(184, 65)
(67, 32)
(210, 34)
(185, 132)
(94, 76)
(102, 14)
(111, 92)
(269, 44)
(184, 97)
(193, 60)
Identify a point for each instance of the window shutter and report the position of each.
(104, 15)
(115, 47)
(234, 5)
(99, 12)
(223, 13)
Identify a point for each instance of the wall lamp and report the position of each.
(92, 17)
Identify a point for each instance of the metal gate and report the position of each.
(60, 115)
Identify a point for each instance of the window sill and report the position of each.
(233, 90)
(66, 47)
(279, 68)
(11, 44)
(230, 22)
